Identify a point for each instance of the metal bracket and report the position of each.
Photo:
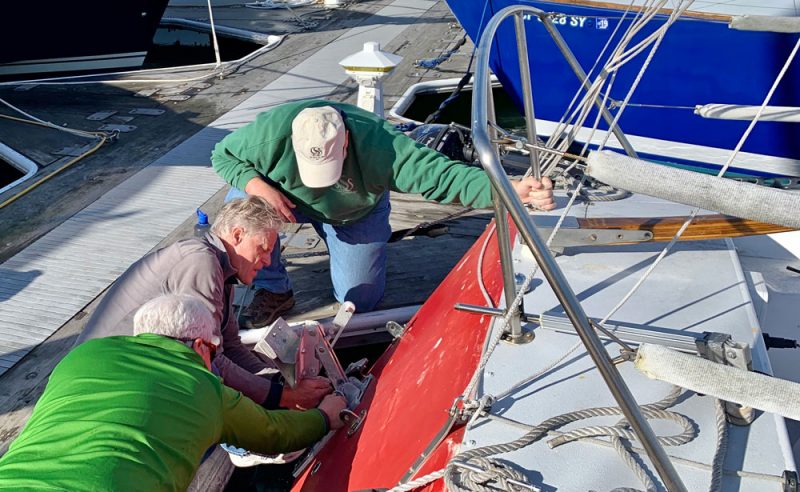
(567, 237)
(303, 351)
(721, 348)
(281, 344)
(353, 420)
(395, 329)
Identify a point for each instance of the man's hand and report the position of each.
(306, 395)
(536, 193)
(331, 406)
(279, 202)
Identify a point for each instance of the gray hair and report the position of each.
(254, 214)
(175, 316)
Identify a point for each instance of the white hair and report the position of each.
(175, 316)
(254, 214)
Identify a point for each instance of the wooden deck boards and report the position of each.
(416, 265)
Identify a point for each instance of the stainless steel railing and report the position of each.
(506, 201)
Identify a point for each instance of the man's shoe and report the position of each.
(265, 308)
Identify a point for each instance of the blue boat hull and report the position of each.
(49, 37)
(700, 61)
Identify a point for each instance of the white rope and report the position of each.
(537, 433)
(722, 171)
(80, 133)
(675, 459)
(225, 69)
(652, 410)
(550, 161)
(581, 113)
(721, 446)
(214, 34)
(656, 44)
(421, 481)
(512, 311)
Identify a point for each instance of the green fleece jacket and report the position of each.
(379, 158)
(137, 413)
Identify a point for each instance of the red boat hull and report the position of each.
(416, 382)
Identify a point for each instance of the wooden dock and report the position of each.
(416, 264)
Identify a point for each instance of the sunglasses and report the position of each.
(189, 342)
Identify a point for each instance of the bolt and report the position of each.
(731, 354)
(593, 237)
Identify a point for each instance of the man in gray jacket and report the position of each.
(239, 245)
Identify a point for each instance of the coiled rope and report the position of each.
(497, 477)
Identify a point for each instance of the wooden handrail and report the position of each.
(702, 227)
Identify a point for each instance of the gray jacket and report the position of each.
(197, 267)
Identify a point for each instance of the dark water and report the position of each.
(8, 173)
(459, 111)
(177, 46)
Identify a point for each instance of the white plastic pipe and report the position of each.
(359, 324)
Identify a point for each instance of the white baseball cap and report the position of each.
(318, 138)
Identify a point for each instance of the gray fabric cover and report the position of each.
(745, 200)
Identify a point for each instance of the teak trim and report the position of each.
(702, 227)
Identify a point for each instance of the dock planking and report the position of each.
(412, 272)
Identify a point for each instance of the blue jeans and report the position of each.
(357, 256)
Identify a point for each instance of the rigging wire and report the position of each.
(722, 171)
(721, 439)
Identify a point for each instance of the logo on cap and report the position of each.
(316, 152)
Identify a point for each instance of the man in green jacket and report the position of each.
(333, 165)
(138, 412)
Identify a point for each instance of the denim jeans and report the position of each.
(357, 256)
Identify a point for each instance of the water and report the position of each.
(8, 174)
(179, 46)
(459, 111)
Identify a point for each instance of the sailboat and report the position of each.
(701, 85)
(60, 37)
(613, 344)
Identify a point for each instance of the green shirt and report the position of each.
(379, 158)
(138, 413)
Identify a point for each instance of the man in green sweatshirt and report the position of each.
(333, 165)
(138, 412)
